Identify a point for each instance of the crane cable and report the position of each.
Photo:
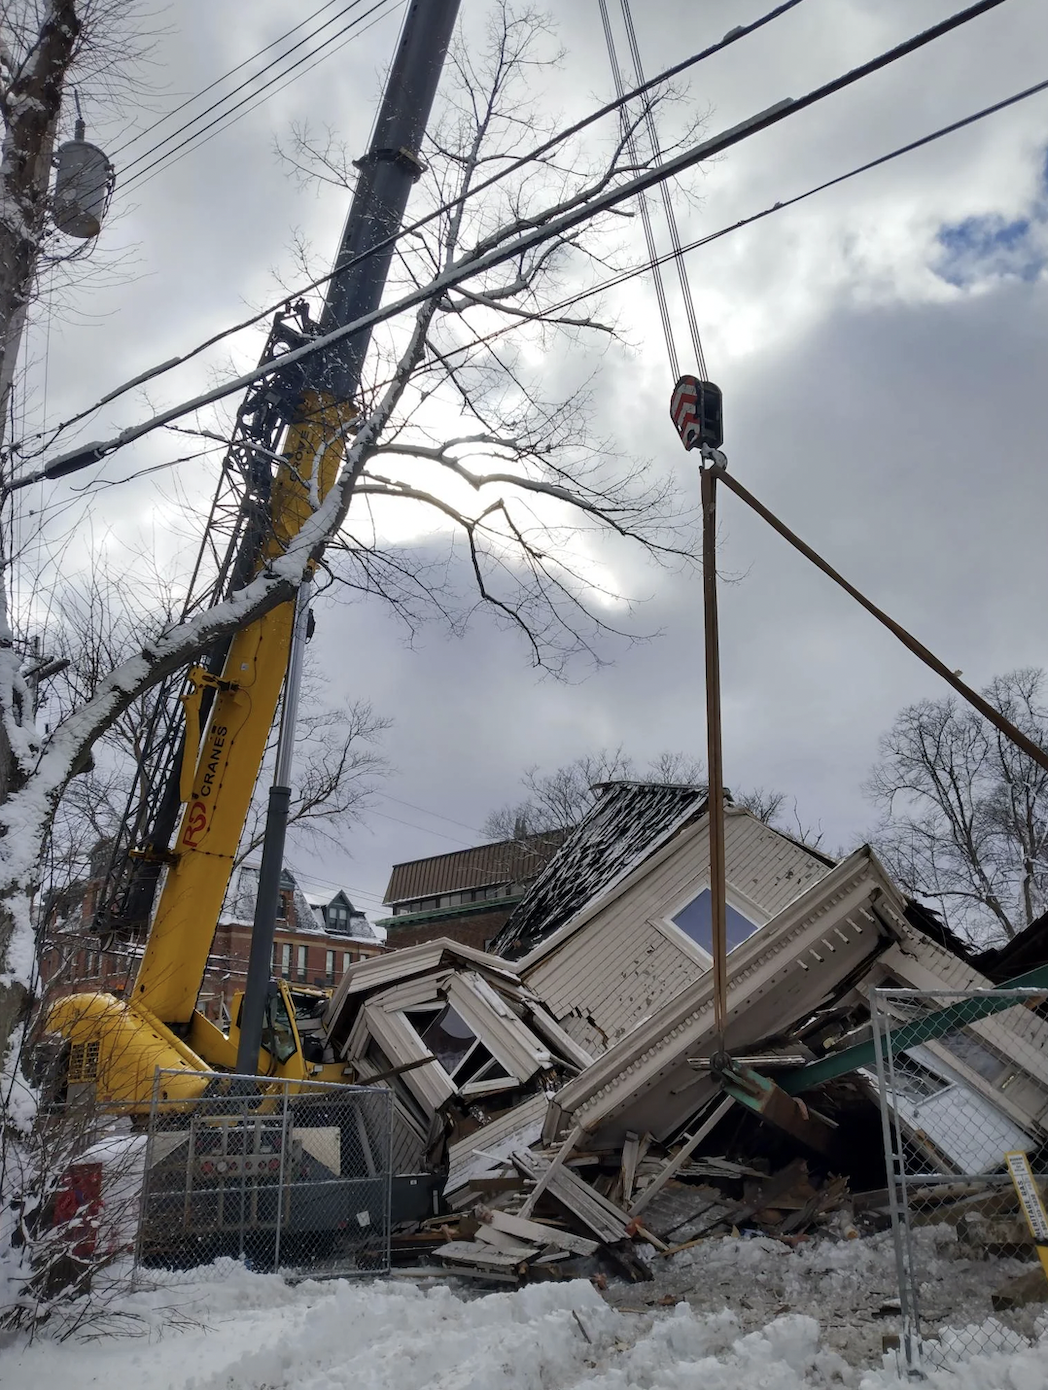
(645, 213)
(667, 199)
(715, 788)
(677, 251)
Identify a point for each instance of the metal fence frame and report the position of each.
(903, 1162)
(240, 1171)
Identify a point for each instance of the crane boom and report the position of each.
(117, 1045)
(231, 752)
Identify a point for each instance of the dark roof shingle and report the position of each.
(507, 861)
(628, 823)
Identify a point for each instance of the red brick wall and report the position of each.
(475, 929)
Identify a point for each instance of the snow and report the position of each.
(227, 1328)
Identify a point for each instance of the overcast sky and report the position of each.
(881, 348)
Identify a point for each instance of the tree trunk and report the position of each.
(31, 106)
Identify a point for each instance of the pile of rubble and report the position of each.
(556, 1213)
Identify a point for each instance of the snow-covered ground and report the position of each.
(748, 1315)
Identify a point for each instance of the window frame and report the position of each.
(745, 906)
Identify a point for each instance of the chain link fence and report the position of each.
(285, 1176)
(958, 1104)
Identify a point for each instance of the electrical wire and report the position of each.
(737, 34)
(138, 178)
(359, 28)
(644, 267)
(182, 106)
(535, 235)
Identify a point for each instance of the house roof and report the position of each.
(507, 861)
(629, 822)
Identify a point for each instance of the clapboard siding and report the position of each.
(618, 966)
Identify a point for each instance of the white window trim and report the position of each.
(679, 938)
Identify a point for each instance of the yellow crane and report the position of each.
(116, 1045)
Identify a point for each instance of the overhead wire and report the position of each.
(222, 120)
(644, 267)
(224, 77)
(536, 234)
(737, 34)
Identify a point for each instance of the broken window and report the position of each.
(976, 1054)
(455, 1046)
(696, 922)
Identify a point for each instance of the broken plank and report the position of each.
(565, 1150)
(607, 1222)
(630, 1159)
(499, 1240)
(453, 1272)
(472, 1252)
(681, 1156)
(537, 1231)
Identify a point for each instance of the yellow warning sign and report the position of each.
(1031, 1202)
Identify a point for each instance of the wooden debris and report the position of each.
(608, 1222)
(499, 1240)
(1031, 1287)
(476, 1253)
(537, 1231)
(681, 1156)
(567, 1148)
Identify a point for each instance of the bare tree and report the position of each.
(524, 489)
(560, 799)
(965, 813)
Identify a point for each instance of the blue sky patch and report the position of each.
(989, 246)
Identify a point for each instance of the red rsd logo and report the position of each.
(196, 824)
(684, 410)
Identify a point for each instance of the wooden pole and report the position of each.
(996, 718)
(715, 803)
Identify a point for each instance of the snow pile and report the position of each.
(743, 1315)
(225, 1328)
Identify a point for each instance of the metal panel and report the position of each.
(288, 1176)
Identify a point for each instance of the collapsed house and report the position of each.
(572, 1070)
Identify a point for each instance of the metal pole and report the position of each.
(715, 799)
(256, 987)
(996, 718)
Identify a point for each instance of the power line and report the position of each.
(644, 267)
(223, 118)
(532, 237)
(358, 29)
(169, 115)
(734, 36)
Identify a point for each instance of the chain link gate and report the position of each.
(955, 1101)
(288, 1176)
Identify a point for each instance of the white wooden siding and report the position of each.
(620, 966)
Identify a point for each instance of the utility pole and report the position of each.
(388, 170)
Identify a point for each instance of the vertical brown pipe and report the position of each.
(718, 902)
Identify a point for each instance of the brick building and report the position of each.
(315, 943)
(466, 895)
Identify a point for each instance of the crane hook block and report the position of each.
(697, 412)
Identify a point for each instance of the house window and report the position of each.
(300, 969)
(347, 961)
(695, 920)
(329, 966)
(976, 1054)
(455, 1046)
(338, 916)
(285, 960)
